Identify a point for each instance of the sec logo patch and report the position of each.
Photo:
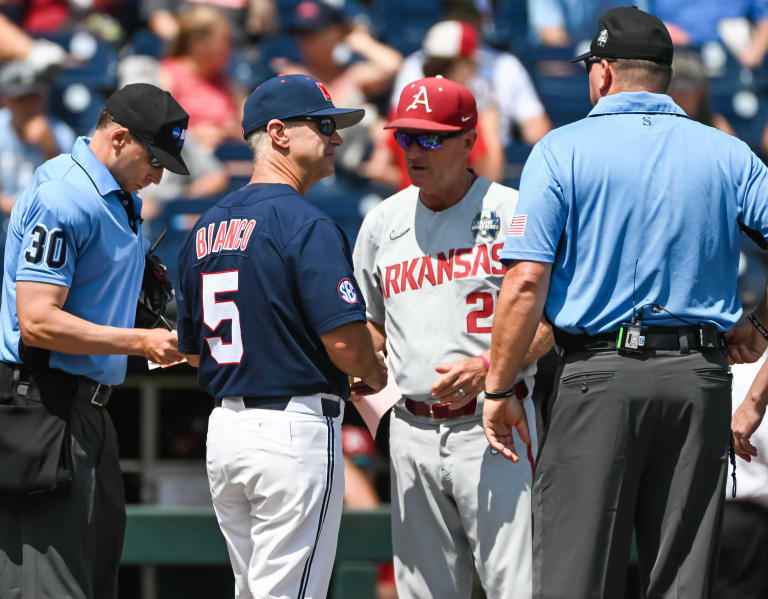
(347, 291)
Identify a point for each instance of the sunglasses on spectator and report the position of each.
(428, 141)
(325, 124)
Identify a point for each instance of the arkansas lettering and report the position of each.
(232, 234)
(436, 270)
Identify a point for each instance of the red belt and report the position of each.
(442, 411)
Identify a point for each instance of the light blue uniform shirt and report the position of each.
(637, 182)
(69, 228)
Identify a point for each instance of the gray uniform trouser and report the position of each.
(638, 441)
(66, 544)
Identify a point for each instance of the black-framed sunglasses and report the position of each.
(153, 160)
(325, 124)
(596, 60)
(428, 141)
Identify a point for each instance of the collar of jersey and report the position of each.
(636, 102)
(98, 173)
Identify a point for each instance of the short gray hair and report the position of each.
(258, 140)
(653, 76)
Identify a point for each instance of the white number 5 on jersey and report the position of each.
(215, 312)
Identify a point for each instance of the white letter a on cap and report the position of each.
(420, 98)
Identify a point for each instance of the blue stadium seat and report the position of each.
(237, 159)
(747, 112)
(147, 43)
(509, 27)
(77, 105)
(403, 23)
(515, 156)
(249, 68)
(563, 87)
(97, 61)
(177, 217)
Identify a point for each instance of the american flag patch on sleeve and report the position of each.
(517, 228)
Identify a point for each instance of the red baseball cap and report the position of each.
(435, 104)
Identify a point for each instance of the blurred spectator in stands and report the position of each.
(346, 58)
(248, 17)
(353, 66)
(361, 460)
(28, 136)
(495, 78)
(196, 74)
(360, 463)
(690, 91)
(207, 177)
(16, 44)
(741, 569)
(741, 24)
(568, 22)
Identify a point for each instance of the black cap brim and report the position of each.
(173, 163)
(344, 117)
(582, 57)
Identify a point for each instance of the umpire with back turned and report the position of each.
(74, 263)
(626, 235)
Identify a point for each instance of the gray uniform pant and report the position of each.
(634, 441)
(66, 544)
(455, 506)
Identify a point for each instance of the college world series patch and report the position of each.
(486, 224)
(347, 291)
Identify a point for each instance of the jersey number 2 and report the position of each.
(216, 312)
(485, 311)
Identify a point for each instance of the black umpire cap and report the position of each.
(628, 32)
(155, 119)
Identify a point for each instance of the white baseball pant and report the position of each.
(277, 484)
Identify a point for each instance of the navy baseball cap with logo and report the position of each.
(628, 32)
(310, 16)
(155, 119)
(287, 96)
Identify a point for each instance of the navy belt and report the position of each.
(331, 408)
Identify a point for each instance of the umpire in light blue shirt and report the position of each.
(74, 262)
(626, 236)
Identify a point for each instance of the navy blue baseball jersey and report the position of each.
(263, 275)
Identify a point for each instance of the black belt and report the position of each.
(20, 378)
(682, 339)
(331, 407)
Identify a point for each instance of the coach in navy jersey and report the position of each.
(272, 314)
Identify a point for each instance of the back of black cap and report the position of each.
(630, 33)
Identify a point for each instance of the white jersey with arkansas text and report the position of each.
(433, 278)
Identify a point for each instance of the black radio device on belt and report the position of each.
(631, 336)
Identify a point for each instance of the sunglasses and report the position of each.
(153, 161)
(595, 60)
(428, 141)
(325, 124)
